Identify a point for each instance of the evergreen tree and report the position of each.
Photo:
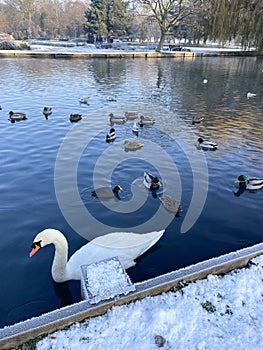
(106, 19)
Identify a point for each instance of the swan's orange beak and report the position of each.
(35, 249)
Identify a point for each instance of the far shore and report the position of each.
(119, 54)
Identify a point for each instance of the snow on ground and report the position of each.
(218, 313)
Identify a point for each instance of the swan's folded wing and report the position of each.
(127, 240)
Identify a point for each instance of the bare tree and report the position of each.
(169, 13)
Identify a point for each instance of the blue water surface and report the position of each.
(171, 91)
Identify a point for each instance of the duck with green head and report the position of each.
(252, 183)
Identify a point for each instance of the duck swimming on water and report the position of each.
(107, 192)
(151, 182)
(206, 145)
(111, 136)
(17, 116)
(47, 111)
(115, 119)
(74, 118)
(146, 121)
(252, 183)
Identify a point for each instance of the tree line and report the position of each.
(144, 20)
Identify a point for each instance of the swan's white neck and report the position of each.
(59, 266)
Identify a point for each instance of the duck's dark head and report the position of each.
(200, 140)
(242, 181)
(241, 178)
(117, 188)
(11, 113)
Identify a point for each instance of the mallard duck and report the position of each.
(126, 245)
(206, 145)
(251, 94)
(146, 121)
(151, 182)
(252, 183)
(132, 145)
(47, 111)
(107, 192)
(196, 119)
(17, 116)
(111, 136)
(135, 129)
(116, 120)
(75, 117)
(171, 204)
(131, 115)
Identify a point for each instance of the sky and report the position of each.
(217, 313)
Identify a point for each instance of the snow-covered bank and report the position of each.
(220, 312)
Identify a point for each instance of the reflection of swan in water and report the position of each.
(126, 245)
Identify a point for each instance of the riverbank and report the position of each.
(104, 53)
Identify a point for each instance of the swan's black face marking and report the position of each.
(36, 244)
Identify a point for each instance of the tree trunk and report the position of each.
(161, 41)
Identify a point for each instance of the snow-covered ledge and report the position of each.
(19, 333)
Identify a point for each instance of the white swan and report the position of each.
(126, 245)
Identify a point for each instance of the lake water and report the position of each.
(50, 166)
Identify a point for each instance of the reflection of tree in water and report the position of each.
(108, 72)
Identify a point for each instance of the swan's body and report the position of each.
(251, 94)
(206, 145)
(15, 117)
(107, 192)
(151, 182)
(115, 119)
(111, 136)
(252, 183)
(146, 121)
(132, 145)
(131, 115)
(75, 117)
(127, 246)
